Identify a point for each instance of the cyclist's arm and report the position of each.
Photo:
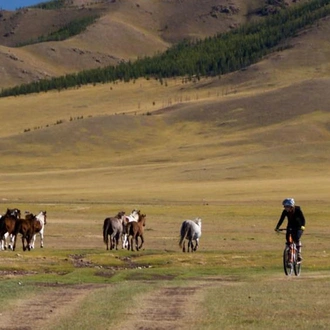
(280, 221)
(302, 220)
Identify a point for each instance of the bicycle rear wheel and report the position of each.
(296, 265)
(287, 265)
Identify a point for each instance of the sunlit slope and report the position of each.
(274, 128)
(259, 133)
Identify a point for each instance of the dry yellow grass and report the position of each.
(227, 150)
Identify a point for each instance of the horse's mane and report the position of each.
(120, 214)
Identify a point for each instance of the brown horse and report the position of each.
(113, 227)
(27, 228)
(135, 230)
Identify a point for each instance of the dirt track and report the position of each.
(167, 308)
(40, 311)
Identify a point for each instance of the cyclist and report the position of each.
(296, 223)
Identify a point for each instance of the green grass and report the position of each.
(236, 275)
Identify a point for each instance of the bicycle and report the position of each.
(290, 257)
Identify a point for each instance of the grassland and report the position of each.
(227, 150)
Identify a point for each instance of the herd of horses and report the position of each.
(127, 228)
(131, 228)
(11, 224)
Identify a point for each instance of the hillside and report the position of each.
(125, 30)
(214, 138)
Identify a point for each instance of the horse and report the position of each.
(42, 218)
(134, 216)
(28, 228)
(135, 230)
(190, 230)
(113, 227)
(14, 212)
(7, 226)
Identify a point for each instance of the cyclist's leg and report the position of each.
(297, 239)
(287, 236)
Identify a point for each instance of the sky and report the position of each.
(15, 4)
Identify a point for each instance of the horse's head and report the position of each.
(44, 213)
(29, 215)
(121, 215)
(143, 219)
(16, 213)
(198, 221)
(135, 215)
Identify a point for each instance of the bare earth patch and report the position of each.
(45, 309)
(168, 308)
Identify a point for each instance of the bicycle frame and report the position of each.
(290, 258)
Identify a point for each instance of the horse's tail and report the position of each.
(128, 228)
(183, 233)
(105, 231)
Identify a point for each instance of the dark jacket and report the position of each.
(296, 219)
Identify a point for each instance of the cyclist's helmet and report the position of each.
(288, 202)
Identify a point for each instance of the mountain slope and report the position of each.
(125, 30)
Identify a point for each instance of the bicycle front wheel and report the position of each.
(287, 264)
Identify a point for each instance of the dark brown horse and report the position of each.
(135, 230)
(7, 225)
(27, 228)
(113, 227)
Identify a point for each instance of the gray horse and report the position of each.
(113, 227)
(191, 230)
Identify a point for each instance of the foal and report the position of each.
(135, 230)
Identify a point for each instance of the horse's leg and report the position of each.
(41, 233)
(190, 245)
(124, 241)
(142, 241)
(4, 241)
(111, 242)
(11, 241)
(14, 244)
(132, 241)
(116, 238)
(184, 246)
(107, 241)
(197, 244)
(32, 241)
(28, 241)
(2, 245)
(137, 242)
(114, 242)
(23, 243)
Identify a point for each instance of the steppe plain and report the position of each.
(226, 149)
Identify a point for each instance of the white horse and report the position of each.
(42, 218)
(192, 231)
(134, 216)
